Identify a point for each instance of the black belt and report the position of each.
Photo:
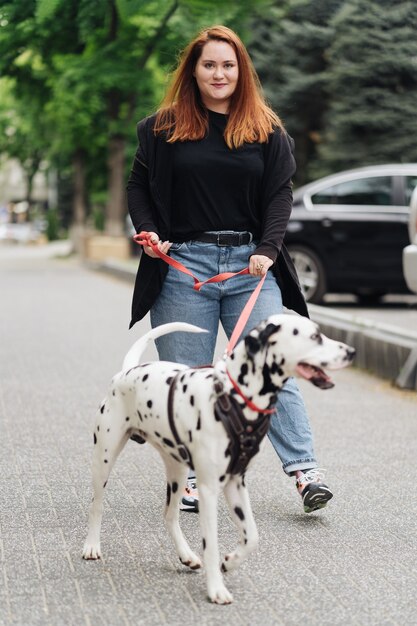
(226, 239)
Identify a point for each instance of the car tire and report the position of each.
(310, 272)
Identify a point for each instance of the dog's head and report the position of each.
(291, 345)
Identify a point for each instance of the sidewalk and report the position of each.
(63, 335)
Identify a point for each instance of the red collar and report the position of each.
(248, 402)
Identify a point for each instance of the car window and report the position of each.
(363, 191)
(410, 185)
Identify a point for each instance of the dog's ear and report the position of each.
(252, 345)
(265, 334)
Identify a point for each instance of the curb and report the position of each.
(382, 349)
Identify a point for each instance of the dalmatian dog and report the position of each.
(183, 412)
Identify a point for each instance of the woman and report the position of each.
(211, 181)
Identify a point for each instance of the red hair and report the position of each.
(182, 114)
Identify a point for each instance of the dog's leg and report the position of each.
(107, 447)
(176, 474)
(208, 489)
(237, 498)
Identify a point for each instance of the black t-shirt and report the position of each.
(216, 188)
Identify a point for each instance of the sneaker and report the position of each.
(314, 493)
(189, 500)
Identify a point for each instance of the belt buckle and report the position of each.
(242, 237)
(218, 240)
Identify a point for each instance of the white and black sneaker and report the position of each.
(313, 491)
(189, 501)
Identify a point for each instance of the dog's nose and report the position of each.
(350, 354)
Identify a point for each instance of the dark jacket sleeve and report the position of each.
(139, 200)
(277, 195)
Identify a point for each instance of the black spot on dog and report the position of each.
(243, 372)
(168, 442)
(243, 480)
(192, 400)
(127, 418)
(252, 346)
(198, 427)
(190, 435)
(182, 378)
(157, 434)
(105, 460)
(108, 430)
(174, 456)
(102, 408)
(139, 415)
(276, 369)
(98, 428)
(184, 388)
(174, 487)
(204, 544)
(245, 542)
(95, 438)
(222, 478)
(113, 392)
(145, 377)
(295, 331)
(104, 486)
(239, 513)
(149, 404)
(268, 385)
(168, 494)
(169, 380)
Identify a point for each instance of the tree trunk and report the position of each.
(116, 203)
(79, 199)
(79, 204)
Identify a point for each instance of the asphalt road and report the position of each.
(63, 335)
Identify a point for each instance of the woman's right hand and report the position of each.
(163, 246)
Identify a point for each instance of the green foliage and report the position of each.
(372, 80)
(342, 74)
(289, 51)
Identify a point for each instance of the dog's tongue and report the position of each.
(315, 375)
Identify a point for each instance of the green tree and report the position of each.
(103, 66)
(372, 86)
(289, 47)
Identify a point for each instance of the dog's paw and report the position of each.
(192, 561)
(230, 562)
(220, 595)
(91, 552)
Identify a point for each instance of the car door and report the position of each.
(363, 231)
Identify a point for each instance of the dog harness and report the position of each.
(244, 435)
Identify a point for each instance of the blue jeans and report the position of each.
(290, 432)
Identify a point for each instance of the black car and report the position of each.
(347, 232)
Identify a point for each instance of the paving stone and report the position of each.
(354, 562)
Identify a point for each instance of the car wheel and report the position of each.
(310, 272)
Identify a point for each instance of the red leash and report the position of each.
(144, 239)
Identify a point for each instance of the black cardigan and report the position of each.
(149, 201)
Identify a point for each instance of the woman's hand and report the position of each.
(259, 264)
(163, 246)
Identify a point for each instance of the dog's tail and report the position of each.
(132, 358)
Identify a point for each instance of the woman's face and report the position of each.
(216, 73)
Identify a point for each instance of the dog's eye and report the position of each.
(317, 337)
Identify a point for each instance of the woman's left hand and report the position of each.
(259, 264)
